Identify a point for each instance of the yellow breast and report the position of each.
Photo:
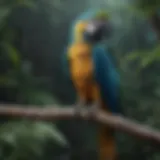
(81, 66)
(82, 71)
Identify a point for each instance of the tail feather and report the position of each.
(107, 142)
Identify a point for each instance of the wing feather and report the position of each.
(107, 78)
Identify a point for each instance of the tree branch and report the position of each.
(63, 113)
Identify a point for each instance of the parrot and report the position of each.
(89, 67)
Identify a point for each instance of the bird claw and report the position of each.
(79, 110)
(94, 109)
(79, 107)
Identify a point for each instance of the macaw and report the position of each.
(89, 67)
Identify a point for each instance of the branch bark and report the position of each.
(68, 112)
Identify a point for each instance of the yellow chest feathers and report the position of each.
(80, 58)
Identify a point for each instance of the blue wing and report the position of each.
(107, 78)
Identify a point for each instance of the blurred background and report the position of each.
(33, 34)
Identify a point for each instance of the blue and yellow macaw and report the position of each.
(89, 67)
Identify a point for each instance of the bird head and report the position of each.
(98, 27)
(91, 26)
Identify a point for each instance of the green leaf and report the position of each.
(29, 138)
(146, 6)
(52, 132)
(132, 56)
(4, 79)
(13, 54)
(146, 57)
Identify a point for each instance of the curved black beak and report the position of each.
(97, 30)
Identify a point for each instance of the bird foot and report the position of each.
(79, 109)
(94, 109)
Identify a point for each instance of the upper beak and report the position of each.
(97, 30)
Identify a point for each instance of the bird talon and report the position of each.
(78, 111)
(93, 110)
(79, 107)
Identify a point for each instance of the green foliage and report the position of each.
(15, 3)
(147, 6)
(28, 140)
(145, 58)
(141, 98)
(23, 139)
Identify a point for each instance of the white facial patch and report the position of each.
(91, 28)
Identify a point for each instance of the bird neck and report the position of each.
(79, 31)
(79, 37)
